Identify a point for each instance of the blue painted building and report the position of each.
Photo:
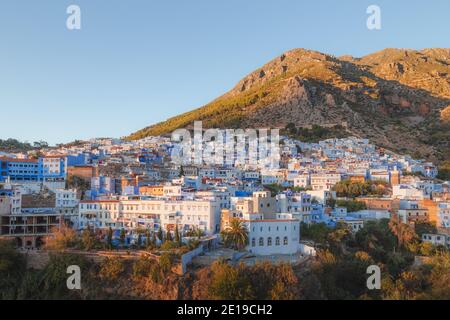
(149, 157)
(80, 159)
(31, 170)
(102, 185)
(19, 170)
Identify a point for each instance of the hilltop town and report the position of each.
(115, 199)
(131, 185)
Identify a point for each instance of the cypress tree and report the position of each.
(160, 235)
(109, 238)
(177, 235)
(122, 236)
(147, 238)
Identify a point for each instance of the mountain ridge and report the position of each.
(398, 98)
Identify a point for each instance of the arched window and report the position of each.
(285, 241)
(261, 242)
(253, 242)
(269, 241)
(277, 241)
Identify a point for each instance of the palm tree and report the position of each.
(235, 235)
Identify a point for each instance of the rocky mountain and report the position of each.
(398, 98)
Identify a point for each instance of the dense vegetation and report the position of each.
(263, 281)
(65, 238)
(277, 188)
(343, 260)
(12, 267)
(316, 133)
(13, 145)
(353, 189)
(339, 272)
(444, 171)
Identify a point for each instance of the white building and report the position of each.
(404, 191)
(153, 214)
(66, 198)
(302, 181)
(273, 236)
(298, 204)
(269, 232)
(171, 191)
(321, 196)
(427, 169)
(411, 212)
(437, 239)
(370, 214)
(354, 223)
(273, 177)
(251, 175)
(222, 197)
(444, 214)
(325, 181)
(376, 174)
(11, 204)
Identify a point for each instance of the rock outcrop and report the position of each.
(397, 98)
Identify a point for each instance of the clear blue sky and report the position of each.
(135, 63)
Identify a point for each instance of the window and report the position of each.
(269, 241)
(285, 241)
(277, 241)
(261, 242)
(253, 242)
